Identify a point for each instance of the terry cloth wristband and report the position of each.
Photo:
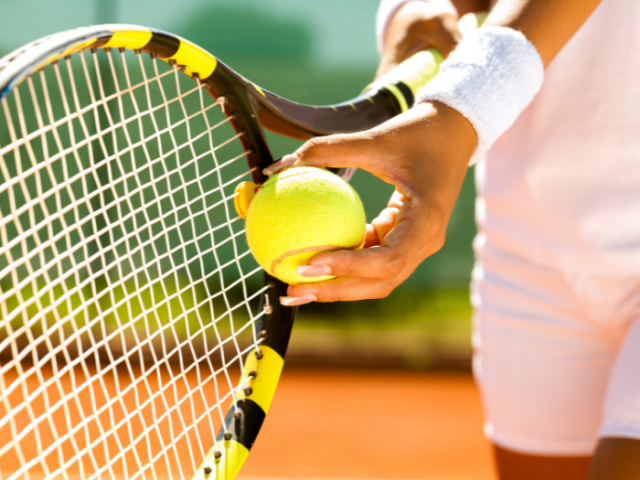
(490, 78)
(388, 8)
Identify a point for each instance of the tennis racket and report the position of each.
(134, 323)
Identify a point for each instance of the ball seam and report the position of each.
(322, 248)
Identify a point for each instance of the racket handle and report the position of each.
(419, 69)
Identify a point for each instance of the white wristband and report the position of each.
(388, 8)
(490, 78)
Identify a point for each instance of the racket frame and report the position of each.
(245, 104)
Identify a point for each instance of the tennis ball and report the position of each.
(298, 213)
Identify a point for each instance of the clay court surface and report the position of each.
(373, 425)
(356, 424)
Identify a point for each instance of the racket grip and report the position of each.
(419, 69)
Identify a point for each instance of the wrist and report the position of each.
(434, 142)
(456, 136)
(490, 78)
(452, 140)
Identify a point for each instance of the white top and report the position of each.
(562, 186)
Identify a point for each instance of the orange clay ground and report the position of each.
(372, 425)
(354, 424)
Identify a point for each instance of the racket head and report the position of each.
(247, 108)
(93, 126)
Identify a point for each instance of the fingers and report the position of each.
(384, 222)
(424, 153)
(375, 262)
(371, 237)
(445, 34)
(387, 219)
(397, 200)
(393, 151)
(348, 150)
(297, 301)
(339, 290)
(281, 164)
(373, 272)
(417, 26)
(416, 233)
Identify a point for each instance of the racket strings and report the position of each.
(128, 298)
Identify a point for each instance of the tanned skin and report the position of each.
(427, 173)
(424, 153)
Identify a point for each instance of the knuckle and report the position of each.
(394, 266)
(384, 290)
(329, 296)
(311, 148)
(314, 143)
(435, 234)
(438, 241)
(322, 143)
(344, 263)
(346, 270)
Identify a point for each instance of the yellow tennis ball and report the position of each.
(299, 213)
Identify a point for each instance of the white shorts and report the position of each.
(557, 355)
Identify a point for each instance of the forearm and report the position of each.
(548, 24)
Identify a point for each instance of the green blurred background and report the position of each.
(318, 53)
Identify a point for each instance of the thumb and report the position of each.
(338, 151)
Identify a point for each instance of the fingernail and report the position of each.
(280, 164)
(313, 270)
(295, 301)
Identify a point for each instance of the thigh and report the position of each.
(541, 366)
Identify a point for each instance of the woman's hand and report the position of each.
(417, 26)
(424, 153)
